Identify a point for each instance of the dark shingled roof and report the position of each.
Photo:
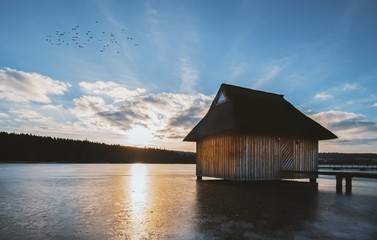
(242, 110)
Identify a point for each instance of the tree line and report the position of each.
(347, 158)
(31, 148)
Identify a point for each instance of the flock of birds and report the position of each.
(81, 39)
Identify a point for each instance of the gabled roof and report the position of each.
(242, 110)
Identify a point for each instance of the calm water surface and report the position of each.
(136, 201)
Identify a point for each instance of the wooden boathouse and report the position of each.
(255, 135)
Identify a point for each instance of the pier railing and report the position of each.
(361, 167)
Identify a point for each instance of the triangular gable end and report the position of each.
(222, 98)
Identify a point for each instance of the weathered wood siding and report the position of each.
(216, 157)
(249, 157)
(305, 153)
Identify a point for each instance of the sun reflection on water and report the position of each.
(138, 185)
(138, 196)
(146, 207)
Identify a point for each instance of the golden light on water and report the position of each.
(144, 205)
(138, 188)
(138, 185)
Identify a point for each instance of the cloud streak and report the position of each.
(269, 73)
(4, 115)
(323, 96)
(110, 89)
(29, 115)
(189, 76)
(19, 86)
(350, 87)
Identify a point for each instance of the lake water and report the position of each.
(137, 201)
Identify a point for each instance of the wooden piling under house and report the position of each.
(254, 135)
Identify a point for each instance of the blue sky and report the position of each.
(143, 73)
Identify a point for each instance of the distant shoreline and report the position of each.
(25, 162)
(27, 148)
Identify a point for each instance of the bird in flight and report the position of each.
(111, 41)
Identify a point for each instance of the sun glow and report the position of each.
(140, 136)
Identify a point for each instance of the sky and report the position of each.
(143, 73)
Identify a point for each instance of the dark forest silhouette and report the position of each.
(31, 148)
(347, 158)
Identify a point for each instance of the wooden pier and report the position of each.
(360, 167)
(339, 177)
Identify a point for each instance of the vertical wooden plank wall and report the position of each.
(250, 157)
(261, 157)
(305, 154)
(216, 157)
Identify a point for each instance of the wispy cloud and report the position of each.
(348, 87)
(271, 71)
(22, 86)
(52, 107)
(236, 71)
(4, 115)
(110, 89)
(323, 96)
(189, 76)
(268, 74)
(29, 115)
(375, 105)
